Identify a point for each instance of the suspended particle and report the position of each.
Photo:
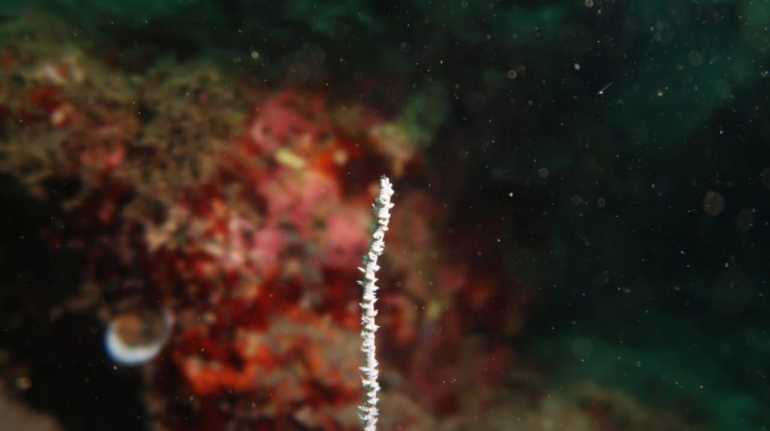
(766, 178)
(713, 203)
(603, 89)
(745, 219)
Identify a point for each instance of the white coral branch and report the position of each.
(382, 206)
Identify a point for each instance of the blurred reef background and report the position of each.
(581, 236)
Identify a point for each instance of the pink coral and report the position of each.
(285, 119)
(347, 237)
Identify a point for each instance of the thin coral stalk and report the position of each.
(382, 206)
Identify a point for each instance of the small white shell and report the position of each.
(136, 337)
